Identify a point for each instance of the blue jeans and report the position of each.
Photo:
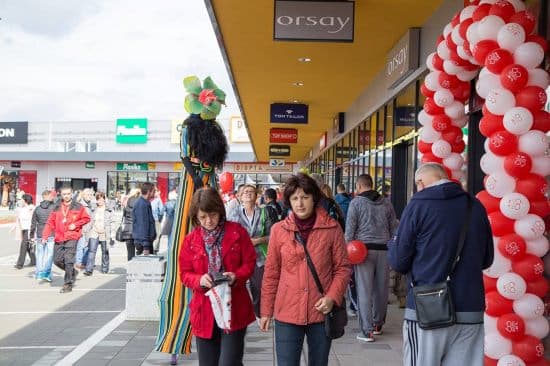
(92, 250)
(289, 341)
(81, 251)
(44, 259)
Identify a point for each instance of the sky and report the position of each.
(98, 60)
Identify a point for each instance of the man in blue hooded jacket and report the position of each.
(425, 247)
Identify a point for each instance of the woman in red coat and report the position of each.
(217, 248)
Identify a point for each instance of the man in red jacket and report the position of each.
(66, 222)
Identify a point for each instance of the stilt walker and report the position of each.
(203, 148)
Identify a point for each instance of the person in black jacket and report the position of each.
(44, 251)
(127, 221)
(143, 228)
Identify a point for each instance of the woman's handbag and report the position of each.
(337, 319)
(124, 231)
(434, 302)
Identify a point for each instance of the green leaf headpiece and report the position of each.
(205, 100)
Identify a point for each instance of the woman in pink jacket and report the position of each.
(289, 293)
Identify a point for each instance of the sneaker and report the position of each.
(47, 279)
(86, 273)
(66, 288)
(18, 267)
(352, 313)
(377, 330)
(366, 338)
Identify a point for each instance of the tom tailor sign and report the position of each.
(283, 135)
(314, 20)
(288, 113)
(14, 132)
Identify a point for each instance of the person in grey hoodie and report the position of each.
(371, 220)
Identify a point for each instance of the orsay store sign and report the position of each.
(314, 20)
(403, 58)
(14, 132)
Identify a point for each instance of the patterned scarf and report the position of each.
(212, 242)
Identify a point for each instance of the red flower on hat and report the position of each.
(207, 96)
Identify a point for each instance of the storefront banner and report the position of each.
(403, 59)
(330, 21)
(90, 165)
(175, 131)
(237, 131)
(284, 135)
(132, 166)
(261, 168)
(288, 113)
(14, 132)
(279, 150)
(364, 138)
(346, 152)
(405, 116)
(131, 131)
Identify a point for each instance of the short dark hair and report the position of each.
(271, 194)
(307, 184)
(147, 187)
(46, 193)
(365, 180)
(99, 195)
(27, 198)
(341, 187)
(207, 200)
(64, 187)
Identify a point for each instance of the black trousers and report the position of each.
(222, 349)
(256, 288)
(64, 254)
(25, 248)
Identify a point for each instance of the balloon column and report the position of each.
(497, 38)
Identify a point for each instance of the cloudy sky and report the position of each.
(64, 60)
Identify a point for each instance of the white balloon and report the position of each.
(499, 101)
(487, 2)
(529, 227)
(538, 247)
(429, 135)
(534, 143)
(490, 323)
(455, 110)
(499, 184)
(537, 327)
(518, 5)
(424, 118)
(443, 51)
(441, 149)
(518, 120)
(511, 36)
(486, 83)
(491, 163)
(489, 26)
(485, 71)
(467, 12)
(466, 75)
(486, 147)
(514, 205)
(460, 122)
(457, 174)
(432, 81)
(510, 360)
(541, 165)
(529, 55)
(499, 267)
(472, 35)
(429, 61)
(496, 346)
(456, 37)
(511, 286)
(447, 29)
(454, 161)
(529, 306)
(538, 77)
(443, 97)
(452, 67)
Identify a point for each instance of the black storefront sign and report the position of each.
(288, 113)
(15, 164)
(14, 132)
(346, 152)
(279, 150)
(405, 116)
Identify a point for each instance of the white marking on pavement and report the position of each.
(38, 347)
(94, 339)
(60, 312)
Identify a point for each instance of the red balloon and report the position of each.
(357, 251)
(431, 108)
(430, 157)
(503, 9)
(540, 208)
(540, 362)
(424, 147)
(511, 326)
(503, 143)
(481, 12)
(226, 182)
(514, 77)
(448, 81)
(458, 147)
(532, 186)
(461, 92)
(466, 46)
(482, 49)
(538, 39)
(441, 122)
(456, 19)
(529, 349)
(489, 283)
(490, 124)
(487, 361)
(512, 246)
(498, 59)
(496, 305)
(453, 135)
(463, 27)
(530, 267)
(538, 287)
(490, 203)
(426, 92)
(518, 164)
(541, 121)
(437, 62)
(451, 45)
(526, 19)
(532, 97)
(500, 224)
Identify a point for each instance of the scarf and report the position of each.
(305, 225)
(212, 243)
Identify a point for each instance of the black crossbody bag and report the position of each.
(337, 319)
(434, 302)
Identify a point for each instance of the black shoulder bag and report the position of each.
(434, 302)
(337, 319)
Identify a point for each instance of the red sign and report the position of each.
(364, 138)
(286, 135)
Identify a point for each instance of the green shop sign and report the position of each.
(131, 131)
(132, 166)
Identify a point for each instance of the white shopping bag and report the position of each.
(220, 298)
